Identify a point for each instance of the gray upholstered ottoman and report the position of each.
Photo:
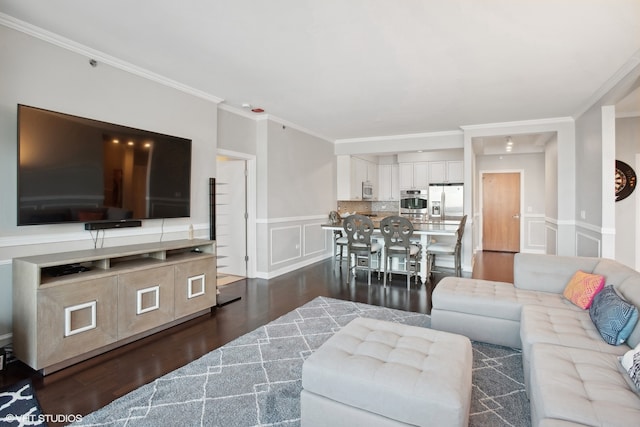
(378, 373)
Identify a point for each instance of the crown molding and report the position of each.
(65, 43)
(243, 112)
(300, 128)
(535, 122)
(407, 136)
(627, 114)
(627, 68)
(265, 116)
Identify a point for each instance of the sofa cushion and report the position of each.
(491, 299)
(580, 386)
(548, 273)
(629, 289)
(582, 288)
(631, 364)
(614, 317)
(569, 328)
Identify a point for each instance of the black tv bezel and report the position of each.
(134, 220)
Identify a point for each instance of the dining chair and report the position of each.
(397, 232)
(340, 241)
(359, 230)
(448, 248)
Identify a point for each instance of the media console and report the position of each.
(110, 297)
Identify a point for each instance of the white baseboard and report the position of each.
(288, 269)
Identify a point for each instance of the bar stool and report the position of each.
(448, 249)
(339, 243)
(397, 232)
(359, 229)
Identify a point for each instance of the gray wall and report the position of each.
(299, 173)
(296, 189)
(589, 166)
(627, 147)
(43, 75)
(236, 132)
(551, 195)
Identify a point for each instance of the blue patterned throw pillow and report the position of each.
(614, 317)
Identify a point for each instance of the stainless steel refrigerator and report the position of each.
(446, 201)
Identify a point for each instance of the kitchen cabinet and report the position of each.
(388, 184)
(372, 176)
(446, 171)
(359, 174)
(414, 175)
(352, 172)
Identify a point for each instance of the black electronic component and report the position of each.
(104, 225)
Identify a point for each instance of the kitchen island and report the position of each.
(423, 231)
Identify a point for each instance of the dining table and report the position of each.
(423, 230)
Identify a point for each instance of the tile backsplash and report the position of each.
(365, 206)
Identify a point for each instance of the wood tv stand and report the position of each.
(62, 316)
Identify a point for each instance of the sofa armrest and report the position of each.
(548, 273)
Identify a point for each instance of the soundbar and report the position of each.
(104, 225)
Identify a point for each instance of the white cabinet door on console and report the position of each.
(145, 300)
(195, 286)
(75, 318)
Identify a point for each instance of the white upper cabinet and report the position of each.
(446, 171)
(343, 164)
(358, 176)
(389, 178)
(352, 172)
(388, 188)
(414, 175)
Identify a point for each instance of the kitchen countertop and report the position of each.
(424, 230)
(429, 227)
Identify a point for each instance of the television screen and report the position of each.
(74, 169)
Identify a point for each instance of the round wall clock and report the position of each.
(625, 180)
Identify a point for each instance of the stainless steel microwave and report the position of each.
(367, 190)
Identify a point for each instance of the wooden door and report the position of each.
(501, 212)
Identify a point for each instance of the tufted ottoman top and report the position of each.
(414, 375)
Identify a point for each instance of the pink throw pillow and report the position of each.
(582, 288)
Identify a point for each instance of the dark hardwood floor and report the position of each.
(92, 384)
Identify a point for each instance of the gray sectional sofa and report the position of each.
(572, 376)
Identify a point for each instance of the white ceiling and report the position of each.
(362, 68)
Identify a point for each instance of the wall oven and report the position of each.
(414, 203)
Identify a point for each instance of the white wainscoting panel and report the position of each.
(536, 234)
(286, 244)
(587, 245)
(552, 239)
(315, 241)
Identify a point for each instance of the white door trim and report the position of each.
(251, 206)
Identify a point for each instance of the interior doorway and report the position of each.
(231, 219)
(501, 211)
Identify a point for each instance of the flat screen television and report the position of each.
(74, 169)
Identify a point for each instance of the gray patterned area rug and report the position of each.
(255, 380)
